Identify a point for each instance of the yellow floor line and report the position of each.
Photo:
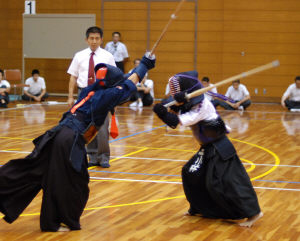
(129, 154)
(277, 160)
(15, 138)
(114, 206)
(252, 167)
(154, 148)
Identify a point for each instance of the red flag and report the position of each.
(114, 132)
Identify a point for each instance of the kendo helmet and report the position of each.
(186, 82)
(108, 75)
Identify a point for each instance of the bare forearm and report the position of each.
(284, 98)
(72, 84)
(245, 99)
(229, 103)
(43, 93)
(134, 78)
(28, 94)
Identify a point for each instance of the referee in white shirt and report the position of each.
(82, 74)
(118, 50)
(291, 97)
(239, 94)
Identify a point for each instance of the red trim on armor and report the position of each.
(75, 107)
(101, 73)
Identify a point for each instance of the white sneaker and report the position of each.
(134, 104)
(241, 107)
(141, 104)
(295, 110)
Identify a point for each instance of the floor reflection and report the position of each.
(4, 124)
(291, 123)
(35, 114)
(238, 121)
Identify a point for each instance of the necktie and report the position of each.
(91, 76)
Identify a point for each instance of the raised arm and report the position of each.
(147, 63)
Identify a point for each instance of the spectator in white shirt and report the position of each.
(145, 90)
(118, 50)
(239, 94)
(291, 97)
(37, 87)
(205, 83)
(4, 90)
(98, 150)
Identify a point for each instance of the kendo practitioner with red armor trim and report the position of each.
(215, 182)
(58, 163)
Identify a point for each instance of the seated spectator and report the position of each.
(4, 90)
(239, 94)
(205, 83)
(145, 94)
(37, 88)
(291, 97)
(136, 63)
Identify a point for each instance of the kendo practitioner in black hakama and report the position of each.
(215, 182)
(58, 164)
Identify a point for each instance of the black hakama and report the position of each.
(48, 167)
(217, 185)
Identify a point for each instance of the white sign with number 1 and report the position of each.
(29, 7)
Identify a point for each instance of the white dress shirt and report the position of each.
(80, 64)
(35, 87)
(209, 97)
(292, 92)
(238, 94)
(118, 50)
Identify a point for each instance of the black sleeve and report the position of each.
(170, 119)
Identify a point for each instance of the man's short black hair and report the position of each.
(94, 29)
(205, 79)
(35, 71)
(297, 78)
(2, 72)
(116, 33)
(236, 81)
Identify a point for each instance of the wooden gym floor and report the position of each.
(140, 197)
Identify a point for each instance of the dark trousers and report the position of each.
(120, 65)
(292, 104)
(4, 98)
(98, 149)
(147, 99)
(48, 167)
(226, 106)
(27, 98)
